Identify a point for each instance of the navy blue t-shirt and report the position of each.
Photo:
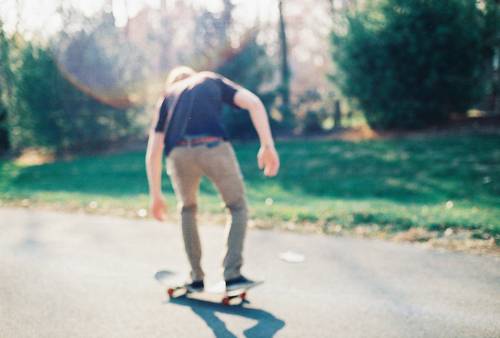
(193, 107)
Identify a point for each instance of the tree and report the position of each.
(100, 58)
(284, 89)
(411, 64)
(492, 53)
(247, 64)
(10, 49)
(212, 36)
(251, 67)
(5, 84)
(227, 17)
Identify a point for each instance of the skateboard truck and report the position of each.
(228, 297)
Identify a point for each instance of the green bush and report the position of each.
(312, 123)
(412, 63)
(50, 112)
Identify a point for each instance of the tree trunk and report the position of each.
(332, 6)
(227, 17)
(337, 117)
(285, 68)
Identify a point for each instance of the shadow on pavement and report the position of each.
(267, 324)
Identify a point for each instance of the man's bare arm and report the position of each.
(247, 100)
(154, 158)
(268, 157)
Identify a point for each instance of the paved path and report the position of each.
(67, 275)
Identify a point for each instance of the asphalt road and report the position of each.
(65, 275)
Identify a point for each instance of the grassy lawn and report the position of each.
(435, 182)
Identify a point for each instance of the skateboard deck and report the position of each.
(214, 293)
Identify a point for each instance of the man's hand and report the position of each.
(268, 160)
(158, 208)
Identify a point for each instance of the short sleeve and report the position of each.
(161, 117)
(228, 90)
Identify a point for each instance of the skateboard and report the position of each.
(214, 293)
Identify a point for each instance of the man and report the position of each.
(188, 129)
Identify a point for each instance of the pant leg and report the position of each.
(185, 176)
(222, 168)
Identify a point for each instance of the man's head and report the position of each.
(178, 74)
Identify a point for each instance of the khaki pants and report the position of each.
(186, 166)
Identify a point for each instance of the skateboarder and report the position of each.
(188, 129)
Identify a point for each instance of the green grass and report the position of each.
(429, 181)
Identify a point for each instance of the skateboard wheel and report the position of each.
(225, 300)
(243, 296)
(170, 292)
